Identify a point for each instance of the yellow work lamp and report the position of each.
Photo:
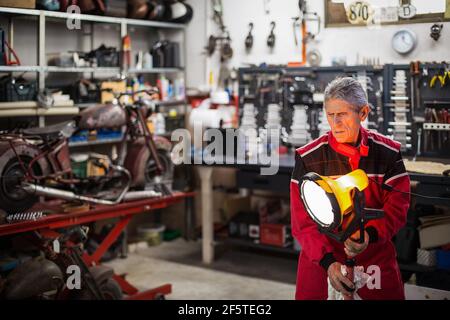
(337, 206)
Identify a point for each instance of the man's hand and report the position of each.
(352, 247)
(337, 279)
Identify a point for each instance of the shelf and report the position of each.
(86, 105)
(156, 70)
(82, 17)
(19, 68)
(170, 103)
(259, 246)
(34, 112)
(93, 18)
(81, 69)
(30, 12)
(414, 267)
(94, 142)
(85, 69)
(154, 24)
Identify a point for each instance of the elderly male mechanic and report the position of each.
(346, 147)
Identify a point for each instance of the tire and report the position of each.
(150, 169)
(13, 198)
(111, 290)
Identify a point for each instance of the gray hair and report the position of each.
(347, 89)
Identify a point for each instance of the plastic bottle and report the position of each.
(180, 94)
(160, 124)
(170, 90)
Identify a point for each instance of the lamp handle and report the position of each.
(371, 214)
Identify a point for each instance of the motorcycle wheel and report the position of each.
(151, 176)
(109, 288)
(13, 198)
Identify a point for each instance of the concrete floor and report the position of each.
(236, 274)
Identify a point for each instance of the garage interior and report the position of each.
(109, 188)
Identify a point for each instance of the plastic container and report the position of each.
(160, 124)
(443, 259)
(169, 235)
(426, 257)
(82, 135)
(79, 165)
(152, 234)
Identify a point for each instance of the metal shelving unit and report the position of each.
(155, 70)
(43, 16)
(81, 69)
(93, 18)
(20, 69)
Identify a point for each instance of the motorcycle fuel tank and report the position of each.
(108, 116)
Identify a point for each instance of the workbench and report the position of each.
(248, 177)
(124, 212)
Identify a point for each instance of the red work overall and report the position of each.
(381, 159)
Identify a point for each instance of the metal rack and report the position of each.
(43, 16)
(93, 18)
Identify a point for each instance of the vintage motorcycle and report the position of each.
(36, 162)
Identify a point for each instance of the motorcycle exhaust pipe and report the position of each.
(62, 194)
(68, 195)
(136, 195)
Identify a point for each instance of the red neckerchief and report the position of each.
(353, 153)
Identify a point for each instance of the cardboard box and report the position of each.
(28, 4)
(234, 203)
(224, 177)
(116, 87)
(434, 231)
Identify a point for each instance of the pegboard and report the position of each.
(262, 86)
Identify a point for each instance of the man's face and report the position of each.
(344, 120)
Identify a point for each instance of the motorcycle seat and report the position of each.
(64, 128)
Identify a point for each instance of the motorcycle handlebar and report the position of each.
(122, 94)
(132, 94)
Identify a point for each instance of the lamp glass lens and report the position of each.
(317, 202)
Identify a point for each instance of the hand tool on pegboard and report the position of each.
(414, 71)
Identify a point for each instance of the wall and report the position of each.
(331, 42)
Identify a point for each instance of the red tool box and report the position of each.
(274, 234)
